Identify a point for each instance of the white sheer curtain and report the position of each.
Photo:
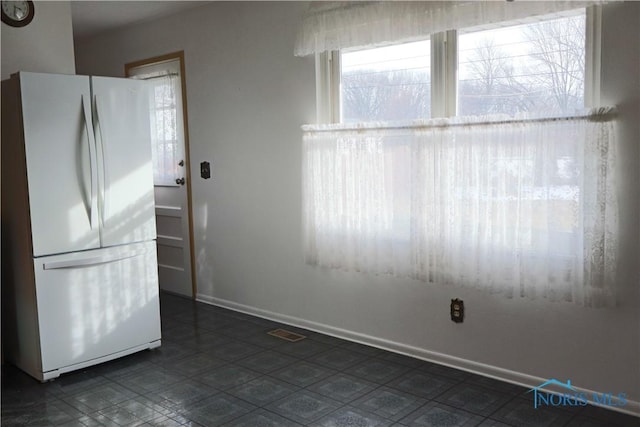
(525, 207)
(355, 196)
(165, 147)
(339, 25)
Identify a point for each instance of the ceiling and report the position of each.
(94, 17)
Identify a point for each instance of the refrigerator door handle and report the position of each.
(102, 158)
(93, 203)
(89, 261)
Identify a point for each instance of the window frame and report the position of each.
(444, 77)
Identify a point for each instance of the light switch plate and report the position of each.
(205, 170)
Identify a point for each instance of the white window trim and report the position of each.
(444, 77)
(444, 74)
(592, 61)
(328, 87)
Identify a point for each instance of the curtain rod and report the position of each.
(596, 117)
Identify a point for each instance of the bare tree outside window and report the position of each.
(535, 67)
(559, 48)
(386, 84)
(386, 96)
(491, 85)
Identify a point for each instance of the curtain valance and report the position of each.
(339, 25)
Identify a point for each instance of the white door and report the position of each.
(170, 171)
(96, 303)
(121, 122)
(61, 162)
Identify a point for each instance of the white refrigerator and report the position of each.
(79, 266)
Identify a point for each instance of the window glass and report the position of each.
(534, 68)
(165, 143)
(386, 84)
(165, 108)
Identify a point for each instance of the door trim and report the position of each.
(179, 55)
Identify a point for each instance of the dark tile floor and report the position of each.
(219, 367)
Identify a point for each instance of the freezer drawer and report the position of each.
(96, 303)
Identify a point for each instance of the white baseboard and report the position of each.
(632, 407)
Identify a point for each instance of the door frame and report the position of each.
(179, 55)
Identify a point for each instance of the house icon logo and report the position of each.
(565, 394)
(541, 396)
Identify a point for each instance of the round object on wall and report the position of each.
(17, 13)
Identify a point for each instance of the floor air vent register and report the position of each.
(286, 335)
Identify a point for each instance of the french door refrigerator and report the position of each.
(79, 266)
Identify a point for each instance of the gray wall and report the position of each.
(248, 96)
(44, 45)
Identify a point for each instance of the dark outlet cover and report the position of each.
(457, 310)
(205, 170)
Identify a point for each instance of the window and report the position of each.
(543, 66)
(515, 194)
(386, 84)
(531, 68)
